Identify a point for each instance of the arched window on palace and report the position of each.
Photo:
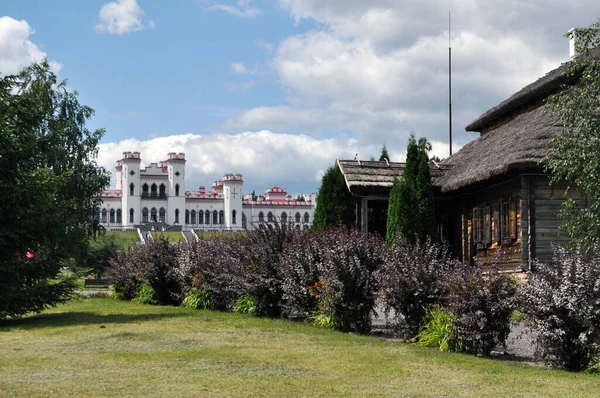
(215, 217)
(284, 217)
(163, 191)
(153, 191)
(270, 217)
(297, 228)
(162, 215)
(104, 215)
(145, 190)
(187, 216)
(153, 215)
(206, 217)
(200, 218)
(261, 217)
(176, 216)
(244, 222)
(131, 187)
(131, 213)
(112, 215)
(221, 217)
(176, 189)
(119, 217)
(193, 220)
(144, 215)
(298, 216)
(233, 217)
(306, 217)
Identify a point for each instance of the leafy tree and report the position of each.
(96, 255)
(300, 198)
(384, 154)
(49, 187)
(575, 154)
(254, 196)
(333, 202)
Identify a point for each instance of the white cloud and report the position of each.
(122, 16)
(244, 9)
(378, 70)
(16, 50)
(263, 157)
(241, 69)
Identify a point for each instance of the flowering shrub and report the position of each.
(411, 280)
(323, 315)
(482, 303)
(561, 300)
(145, 295)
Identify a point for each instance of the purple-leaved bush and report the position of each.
(482, 301)
(561, 300)
(411, 280)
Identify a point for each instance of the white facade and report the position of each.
(156, 194)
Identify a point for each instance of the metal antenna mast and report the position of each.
(450, 83)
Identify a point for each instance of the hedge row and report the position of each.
(335, 278)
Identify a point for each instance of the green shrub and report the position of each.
(246, 304)
(145, 295)
(198, 298)
(321, 319)
(438, 332)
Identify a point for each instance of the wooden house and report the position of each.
(491, 194)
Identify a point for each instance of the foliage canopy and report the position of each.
(49, 187)
(575, 154)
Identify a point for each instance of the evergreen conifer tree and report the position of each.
(333, 202)
(393, 214)
(424, 197)
(384, 154)
(411, 211)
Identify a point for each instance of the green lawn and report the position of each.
(219, 234)
(124, 239)
(101, 347)
(169, 235)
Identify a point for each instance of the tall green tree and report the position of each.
(393, 214)
(410, 210)
(574, 155)
(424, 197)
(48, 190)
(333, 203)
(384, 154)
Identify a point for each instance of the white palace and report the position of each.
(155, 196)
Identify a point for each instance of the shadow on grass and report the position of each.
(78, 318)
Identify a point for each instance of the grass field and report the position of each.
(101, 347)
(170, 236)
(124, 239)
(218, 234)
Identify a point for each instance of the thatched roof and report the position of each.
(520, 143)
(361, 174)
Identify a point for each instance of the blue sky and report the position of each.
(278, 89)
